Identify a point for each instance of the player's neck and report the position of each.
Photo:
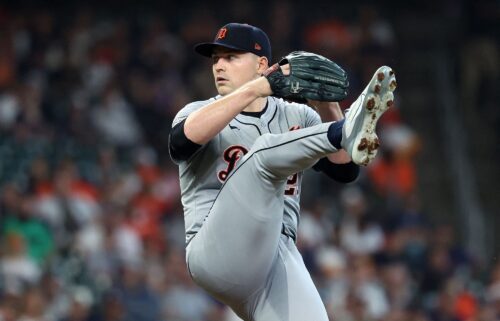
(257, 105)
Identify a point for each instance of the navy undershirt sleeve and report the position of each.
(179, 146)
(343, 173)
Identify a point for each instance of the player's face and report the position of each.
(232, 69)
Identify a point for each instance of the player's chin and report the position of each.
(224, 90)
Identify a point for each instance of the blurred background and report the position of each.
(91, 226)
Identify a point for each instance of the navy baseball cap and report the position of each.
(238, 36)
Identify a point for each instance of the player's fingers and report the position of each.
(285, 69)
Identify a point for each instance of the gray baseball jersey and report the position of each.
(238, 192)
(202, 176)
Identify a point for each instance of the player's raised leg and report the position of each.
(358, 136)
(233, 253)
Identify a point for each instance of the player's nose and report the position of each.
(220, 65)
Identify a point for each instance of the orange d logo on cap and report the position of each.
(221, 34)
(237, 36)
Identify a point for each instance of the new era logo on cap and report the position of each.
(238, 36)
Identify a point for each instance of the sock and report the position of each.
(335, 133)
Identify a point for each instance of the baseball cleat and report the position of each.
(358, 134)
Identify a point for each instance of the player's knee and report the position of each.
(261, 154)
(258, 150)
(262, 142)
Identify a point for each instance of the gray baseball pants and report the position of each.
(240, 255)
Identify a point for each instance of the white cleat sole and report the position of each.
(364, 113)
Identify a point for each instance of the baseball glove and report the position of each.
(312, 77)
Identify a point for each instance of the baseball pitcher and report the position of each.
(241, 155)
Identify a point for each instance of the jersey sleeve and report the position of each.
(179, 146)
(311, 117)
(185, 112)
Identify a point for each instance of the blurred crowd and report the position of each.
(91, 225)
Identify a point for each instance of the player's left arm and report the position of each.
(339, 165)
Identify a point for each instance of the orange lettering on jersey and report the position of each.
(257, 46)
(221, 34)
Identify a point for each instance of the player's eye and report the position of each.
(215, 59)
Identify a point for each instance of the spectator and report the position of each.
(9, 307)
(140, 303)
(35, 236)
(367, 287)
(68, 205)
(113, 118)
(183, 300)
(81, 303)
(34, 304)
(359, 234)
(17, 269)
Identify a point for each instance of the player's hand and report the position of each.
(285, 69)
(302, 76)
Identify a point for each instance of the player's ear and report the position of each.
(262, 64)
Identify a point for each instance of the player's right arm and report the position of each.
(205, 123)
(192, 129)
(195, 126)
